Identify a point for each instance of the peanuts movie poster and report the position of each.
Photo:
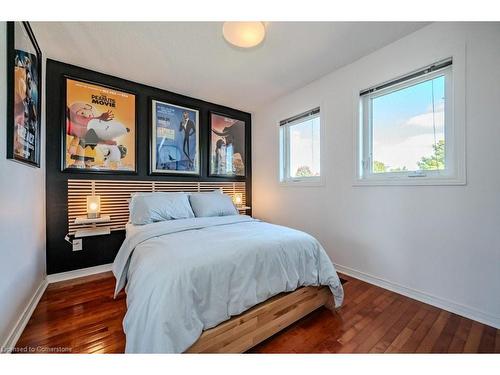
(100, 128)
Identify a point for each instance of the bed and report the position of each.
(218, 284)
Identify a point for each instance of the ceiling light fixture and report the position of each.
(244, 34)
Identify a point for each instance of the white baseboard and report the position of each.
(56, 277)
(444, 304)
(18, 329)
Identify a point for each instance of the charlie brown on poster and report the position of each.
(100, 128)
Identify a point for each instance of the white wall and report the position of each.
(22, 221)
(440, 244)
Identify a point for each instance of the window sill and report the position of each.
(316, 182)
(409, 181)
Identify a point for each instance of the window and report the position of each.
(406, 128)
(300, 148)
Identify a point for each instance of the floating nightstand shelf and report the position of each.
(94, 230)
(85, 220)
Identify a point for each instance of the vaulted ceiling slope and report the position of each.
(192, 58)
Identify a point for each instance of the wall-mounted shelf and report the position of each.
(94, 230)
(85, 220)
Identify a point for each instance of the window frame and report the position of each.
(454, 172)
(284, 151)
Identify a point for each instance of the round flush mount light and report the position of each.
(244, 34)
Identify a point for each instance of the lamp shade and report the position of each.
(93, 206)
(238, 199)
(244, 34)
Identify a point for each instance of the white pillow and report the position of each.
(212, 204)
(146, 208)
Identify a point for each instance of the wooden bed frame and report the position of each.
(237, 334)
(248, 329)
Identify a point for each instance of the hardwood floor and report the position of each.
(81, 316)
(77, 316)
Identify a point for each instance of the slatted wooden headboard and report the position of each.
(116, 193)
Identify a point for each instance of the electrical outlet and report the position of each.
(78, 244)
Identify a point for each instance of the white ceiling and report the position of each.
(192, 58)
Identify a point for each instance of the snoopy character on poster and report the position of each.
(96, 138)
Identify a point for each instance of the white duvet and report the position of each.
(185, 276)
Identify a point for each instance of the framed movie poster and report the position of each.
(175, 139)
(99, 128)
(24, 88)
(227, 146)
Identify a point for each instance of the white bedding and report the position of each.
(185, 276)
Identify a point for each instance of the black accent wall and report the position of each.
(102, 249)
